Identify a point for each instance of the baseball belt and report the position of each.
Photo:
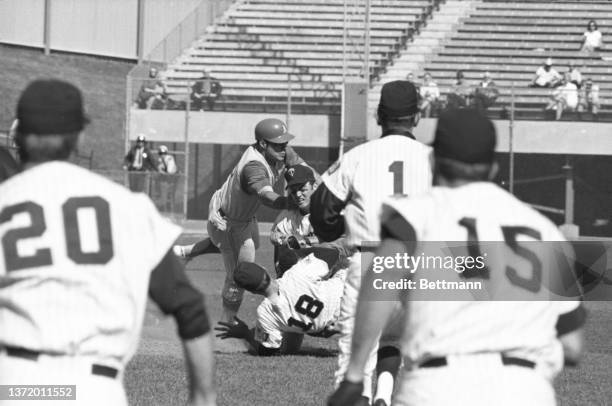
(442, 362)
(96, 369)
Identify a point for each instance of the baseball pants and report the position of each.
(237, 243)
(346, 321)
(474, 380)
(91, 390)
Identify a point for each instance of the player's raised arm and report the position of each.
(174, 294)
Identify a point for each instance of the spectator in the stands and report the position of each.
(589, 98)
(152, 94)
(460, 93)
(166, 165)
(139, 160)
(546, 76)
(486, 93)
(430, 95)
(593, 40)
(575, 75)
(410, 77)
(206, 89)
(564, 97)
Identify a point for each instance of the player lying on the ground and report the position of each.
(305, 300)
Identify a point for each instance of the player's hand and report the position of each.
(347, 394)
(232, 329)
(292, 242)
(218, 220)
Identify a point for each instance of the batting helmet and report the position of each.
(272, 130)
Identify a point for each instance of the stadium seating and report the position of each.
(512, 39)
(261, 45)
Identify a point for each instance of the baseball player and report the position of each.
(73, 289)
(349, 200)
(471, 352)
(304, 301)
(232, 225)
(8, 165)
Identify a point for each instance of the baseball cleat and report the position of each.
(181, 252)
(379, 402)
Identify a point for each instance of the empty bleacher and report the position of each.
(512, 39)
(261, 45)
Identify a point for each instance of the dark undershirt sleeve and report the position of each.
(571, 321)
(170, 289)
(267, 352)
(325, 208)
(254, 177)
(395, 226)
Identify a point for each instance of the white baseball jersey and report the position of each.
(76, 255)
(367, 174)
(291, 223)
(305, 303)
(482, 212)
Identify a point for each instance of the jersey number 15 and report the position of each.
(38, 226)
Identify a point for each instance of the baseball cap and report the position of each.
(50, 106)
(298, 175)
(398, 99)
(252, 277)
(465, 135)
(163, 149)
(548, 62)
(273, 130)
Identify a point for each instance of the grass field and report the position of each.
(156, 374)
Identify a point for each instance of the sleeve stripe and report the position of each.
(571, 321)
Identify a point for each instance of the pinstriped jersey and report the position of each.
(370, 172)
(306, 303)
(482, 212)
(76, 254)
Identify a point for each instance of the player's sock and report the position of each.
(202, 247)
(387, 367)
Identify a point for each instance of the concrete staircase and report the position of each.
(424, 46)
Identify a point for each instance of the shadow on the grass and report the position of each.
(317, 352)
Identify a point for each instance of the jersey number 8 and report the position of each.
(308, 306)
(38, 226)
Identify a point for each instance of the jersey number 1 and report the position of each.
(38, 225)
(397, 169)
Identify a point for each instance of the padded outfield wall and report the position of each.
(96, 27)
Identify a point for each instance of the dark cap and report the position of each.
(50, 107)
(273, 130)
(298, 175)
(465, 135)
(252, 277)
(398, 99)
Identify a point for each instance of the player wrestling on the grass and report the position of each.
(306, 300)
(232, 225)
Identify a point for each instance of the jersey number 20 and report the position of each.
(308, 306)
(38, 225)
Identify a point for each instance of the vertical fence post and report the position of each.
(288, 117)
(140, 30)
(186, 140)
(47, 27)
(511, 140)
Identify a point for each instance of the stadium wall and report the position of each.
(96, 27)
(546, 137)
